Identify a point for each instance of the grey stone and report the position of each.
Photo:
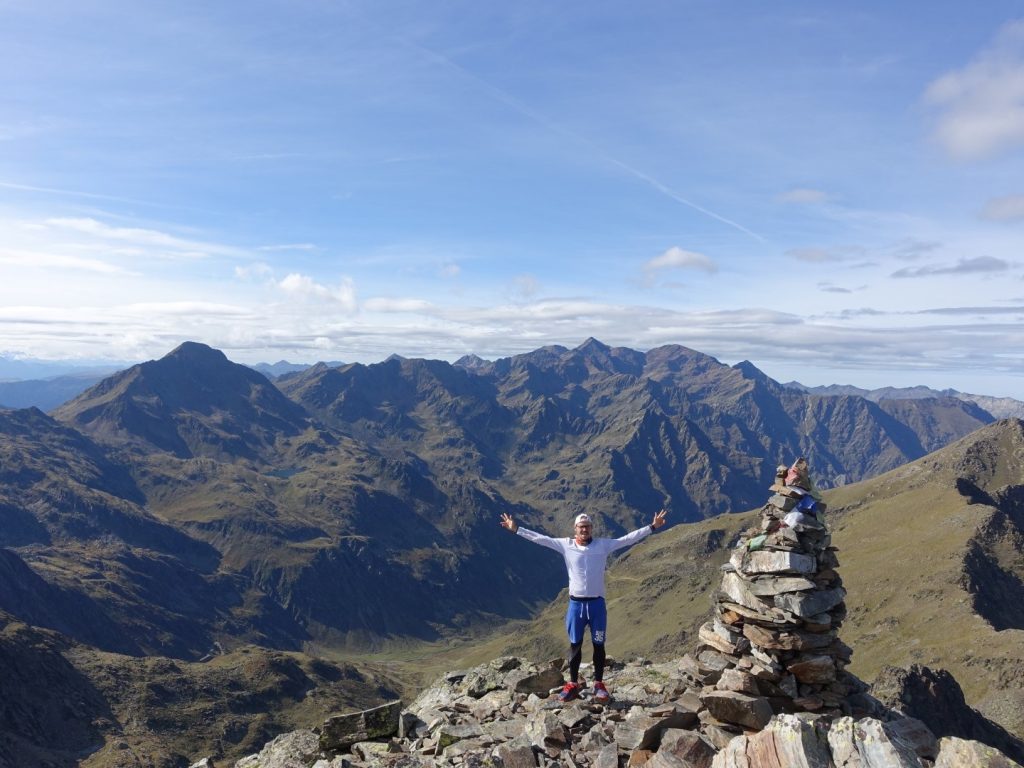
(639, 757)
(787, 641)
(739, 708)
(806, 604)
(719, 735)
(735, 680)
(607, 757)
(368, 751)
(733, 755)
(790, 741)
(774, 585)
(910, 730)
(707, 634)
(960, 753)
(538, 682)
(447, 735)
(818, 669)
(866, 744)
(503, 730)
(737, 589)
(545, 731)
(682, 749)
(339, 732)
(767, 561)
(516, 756)
(289, 750)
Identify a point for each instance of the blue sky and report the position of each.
(833, 193)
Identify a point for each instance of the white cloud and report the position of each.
(450, 269)
(154, 241)
(304, 287)
(288, 247)
(982, 105)
(1009, 208)
(803, 196)
(397, 305)
(526, 286)
(43, 260)
(677, 258)
(253, 271)
(183, 308)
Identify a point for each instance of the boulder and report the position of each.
(682, 749)
(546, 732)
(740, 708)
(340, 732)
(867, 744)
(790, 741)
(935, 697)
(961, 753)
(538, 682)
(297, 748)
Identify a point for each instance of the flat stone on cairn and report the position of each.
(773, 644)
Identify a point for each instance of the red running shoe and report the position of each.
(601, 695)
(569, 692)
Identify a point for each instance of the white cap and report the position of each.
(582, 518)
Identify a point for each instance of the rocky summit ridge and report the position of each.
(502, 715)
(768, 688)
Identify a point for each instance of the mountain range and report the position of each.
(192, 511)
(1000, 407)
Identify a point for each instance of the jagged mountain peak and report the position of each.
(592, 345)
(196, 353)
(192, 401)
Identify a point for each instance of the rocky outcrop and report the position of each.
(933, 695)
(499, 715)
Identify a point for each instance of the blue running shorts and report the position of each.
(584, 612)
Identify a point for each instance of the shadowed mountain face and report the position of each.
(190, 497)
(193, 402)
(620, 432)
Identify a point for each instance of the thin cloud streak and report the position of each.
(979, 265)
(542, 120)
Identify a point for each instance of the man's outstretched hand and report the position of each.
(508, 523)
(659, 519)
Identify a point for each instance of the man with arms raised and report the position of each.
(585, 559)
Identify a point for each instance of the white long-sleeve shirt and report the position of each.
(586, 565)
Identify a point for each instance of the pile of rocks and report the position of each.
(503, 715)
(773, 646)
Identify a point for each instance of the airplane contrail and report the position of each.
(546, 122)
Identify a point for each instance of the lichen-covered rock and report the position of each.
(297, 749)
(740, 708)
(960, 753)
(867, 744)
(340, 732)
(682, 749)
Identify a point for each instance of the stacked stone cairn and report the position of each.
(773, 645)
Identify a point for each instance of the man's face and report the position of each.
(583, 532)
